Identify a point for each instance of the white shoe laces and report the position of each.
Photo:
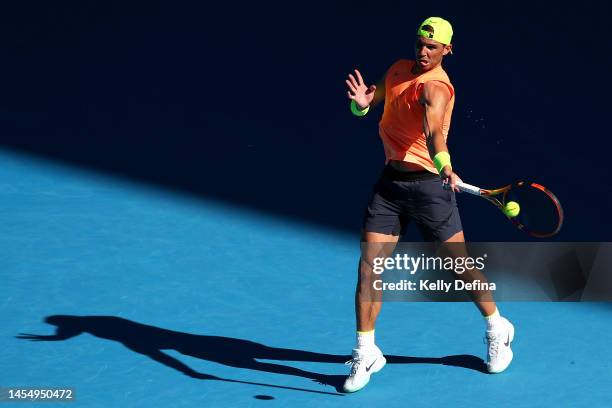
(493, 342)
(354, 363)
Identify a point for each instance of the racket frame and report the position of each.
(492, 197)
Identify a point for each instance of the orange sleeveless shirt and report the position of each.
(401, 126)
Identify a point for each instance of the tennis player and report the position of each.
(419, 99)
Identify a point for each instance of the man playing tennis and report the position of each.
(419, 99)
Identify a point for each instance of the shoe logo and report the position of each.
(507, 342)
(370, 366)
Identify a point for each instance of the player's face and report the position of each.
(429, 53)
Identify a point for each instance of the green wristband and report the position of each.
(440, 160)
(356, 111)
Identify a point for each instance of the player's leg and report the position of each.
(368, 301)
(437, 217)
(367, 357)
(483, 299)
(381, 229)
(500, 332)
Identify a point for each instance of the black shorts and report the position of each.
(401, 197)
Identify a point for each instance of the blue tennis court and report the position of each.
(182, 186)
(163, 299)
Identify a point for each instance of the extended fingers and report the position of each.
(353, 81)
(351, 86)
(359, 77)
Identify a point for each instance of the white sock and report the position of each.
(494, 320)
(365, 339)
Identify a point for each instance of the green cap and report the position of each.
(442, 30)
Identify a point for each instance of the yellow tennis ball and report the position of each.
(512, 209)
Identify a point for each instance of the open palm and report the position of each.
(359, 91)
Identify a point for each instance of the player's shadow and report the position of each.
(150, 341)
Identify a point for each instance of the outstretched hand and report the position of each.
(359, 91)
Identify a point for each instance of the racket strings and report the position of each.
(540, 212)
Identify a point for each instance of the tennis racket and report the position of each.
(540, 214)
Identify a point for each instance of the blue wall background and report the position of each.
(246, 102)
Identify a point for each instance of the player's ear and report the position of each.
(448, 49)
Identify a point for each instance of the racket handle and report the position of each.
(468, 188)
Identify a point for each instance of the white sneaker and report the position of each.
(363, 364)
(499, 353)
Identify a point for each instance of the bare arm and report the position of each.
(435, 98)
